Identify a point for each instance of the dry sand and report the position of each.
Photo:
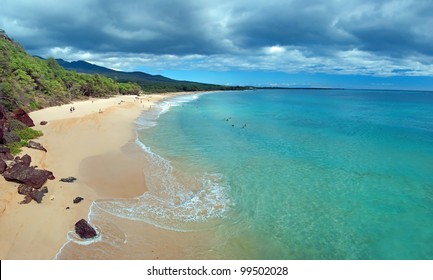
(94, 143)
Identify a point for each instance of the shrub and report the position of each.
(27, 133)
(15, 147)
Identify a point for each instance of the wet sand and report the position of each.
(94, 143)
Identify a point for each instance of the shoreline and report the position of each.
(77, 146)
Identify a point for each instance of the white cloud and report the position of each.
(381, 38)
(275, 50)
(290, 61)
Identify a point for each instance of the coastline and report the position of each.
(78, 146)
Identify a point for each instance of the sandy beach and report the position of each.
(94, 143)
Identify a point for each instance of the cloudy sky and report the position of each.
(340, 43)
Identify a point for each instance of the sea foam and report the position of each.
(174, 200)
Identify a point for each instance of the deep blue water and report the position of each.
(294, 174)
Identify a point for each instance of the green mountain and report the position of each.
(32, 83)
(147, 82)
(81, 66)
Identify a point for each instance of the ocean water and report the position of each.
(277, 174)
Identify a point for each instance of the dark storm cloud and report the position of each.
(394, 28)
(299, 24)
(101, 26)
(332, 34)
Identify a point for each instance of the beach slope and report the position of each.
(95, 144)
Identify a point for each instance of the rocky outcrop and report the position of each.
(37, 195)
(24, 189)
(24, 160)
(3, 166)
(10, 137)
(68, 180)
(27, 175)
(5, 154)
(27, 200)
(2, 112)
(84, 230)
(78, 199)
(30, 178)
(4, 149)
(32, 193)
(22, 116)
(3, 123)
(34, 145)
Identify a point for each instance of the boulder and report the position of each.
(27, 175)
(84, 230)
(3, 166)
(34, 145)
(22, 116)
(24, 189)
(27, 200)
(68, 180)
(24, 160)
(15, 125)
(43, 122)
(5, 154)
(44, 189)
(78, 199)
(10, 137)
(37, 195)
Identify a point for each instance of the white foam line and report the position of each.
(164, 106)
(177, 101)
(67, 234)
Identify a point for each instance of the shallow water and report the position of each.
(278, 174)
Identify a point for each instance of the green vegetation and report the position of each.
(32, 83)
(25, 134)
(148, 83)
(28, 133)
(162, 84)
(15, 147)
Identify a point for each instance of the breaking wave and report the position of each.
(175, 201)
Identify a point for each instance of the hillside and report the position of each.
(81, 66)
(147, 82)
(32, 83)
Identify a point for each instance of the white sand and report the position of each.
(97, 143)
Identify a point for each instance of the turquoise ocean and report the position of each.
(279, 174)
